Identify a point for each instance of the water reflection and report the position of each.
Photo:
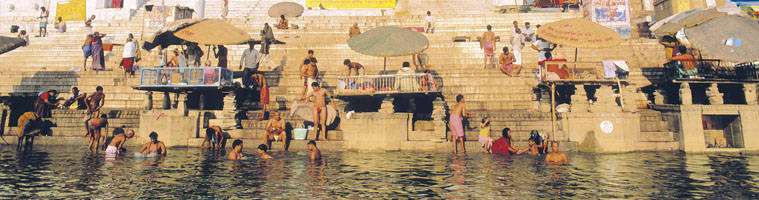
(65, 172)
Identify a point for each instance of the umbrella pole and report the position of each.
(208, 54)
(384, 66)
(553, 111)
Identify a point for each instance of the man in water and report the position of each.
(315, 153)
(114, 147)
(555, 156)
(275, 131)
(154, 147)
(94, 130)
(454, 123)
(28, 127)
(236, 153)
(96, 101)
(214, 137)
(320, 108)
(262, 152)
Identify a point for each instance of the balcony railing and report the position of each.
(185, 77)
(709, 69)
(386, 84)
(576, 71)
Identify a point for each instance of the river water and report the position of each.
(69, 173)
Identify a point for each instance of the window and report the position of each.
(722, 131)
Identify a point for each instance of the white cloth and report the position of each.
(111, 150)
(517, 43)
(309, 81)
(129, 50)
(429, 19)
(529, 31)
(517, 57)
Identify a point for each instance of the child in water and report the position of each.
(485, 138)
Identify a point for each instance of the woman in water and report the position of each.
(154, 147)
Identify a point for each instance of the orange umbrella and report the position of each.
(213, 32)
(579, 33)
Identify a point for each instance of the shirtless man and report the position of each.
(353, 66)
(315, 153)
(94, 129)
(488, 44)
(308, 72)
(215, 138)
(28, 127)
(262, 152)
(275, 131)
(555, 156)
(236, 153)
(320, 108)
(454, 123)
(532, 148)
(96, 101)
(114, 147)
(153, 147)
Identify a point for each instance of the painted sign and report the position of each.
(614, 14)
(350, 3)
(73, 10)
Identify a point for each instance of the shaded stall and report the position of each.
(389, 41)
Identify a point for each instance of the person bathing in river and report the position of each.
(236, 153)
(215, 138)
(555, 156)
(114, 147)
(154, 147)
(262, 152)
(275, 131)
(94, 129)
(315, 153)
(454, 123)
(320, 96)
(503, 145)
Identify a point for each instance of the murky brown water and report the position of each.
(67, 172)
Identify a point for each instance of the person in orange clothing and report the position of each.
(687, 59)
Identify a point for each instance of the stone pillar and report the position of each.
(148, 100)
(606, 100)
(201, 101)
(182, 102)
(166, 100)
(715, 98)
(686, 98)
(659, 98)
(438, 116)
(387, 105)
(749, 90)
(579, 99)
(545, 100)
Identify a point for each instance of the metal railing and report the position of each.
(386, 84)
(709, 68)
(572, 70)
(185, 77)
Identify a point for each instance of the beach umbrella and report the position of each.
(288, 9)
(10, 43)
(389, 41)
(731, 38)
(212, 32)
(165, 37)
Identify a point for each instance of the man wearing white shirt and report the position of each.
(250, 59)
(430, 21)
(528, 32)
(517, 43)
(130, 49)
(543, 47)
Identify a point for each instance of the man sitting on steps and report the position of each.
(275, 131)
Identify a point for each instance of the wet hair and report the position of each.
(490, 27)
(75, 88)
(262, 147)
(153, 135)
(282, 16)
(535, 136)
(315, 84)
(682, 49)
(505, 133)
(484, 119)
(406, 64)
(236, 143)
(427, 71)
(346, 61)
(459, 98)
(548, 55)
(310, 51)
(53, 91)
(311, 142)
(104, 116)
(99, 88)
(307, 61)
(505, 49)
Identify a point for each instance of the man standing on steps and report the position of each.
(320, 108)
(455, 125)
(43, 21)
(127, 61)
(267, 37)
(429, 22)
(95, 101)
(250, 59)
(487, 43)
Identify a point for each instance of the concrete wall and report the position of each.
(375, 131)
(692, 133)
(173, 128)
(585, 129)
